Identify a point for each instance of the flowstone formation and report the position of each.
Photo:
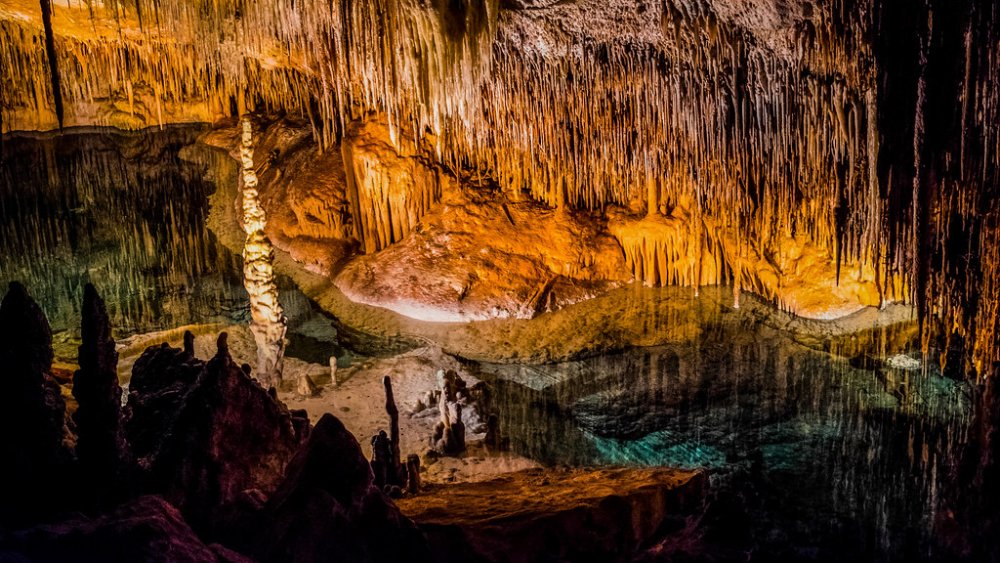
(794, 149)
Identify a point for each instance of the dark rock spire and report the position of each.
(101, 447)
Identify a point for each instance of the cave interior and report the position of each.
(499, 280)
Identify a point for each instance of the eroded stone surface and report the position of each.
(145, 529)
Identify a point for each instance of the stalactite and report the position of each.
(766, 137)
(388, 190)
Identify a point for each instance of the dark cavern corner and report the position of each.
(500, 280)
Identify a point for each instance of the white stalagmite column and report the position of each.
(268, 323)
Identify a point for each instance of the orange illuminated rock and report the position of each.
(598, 515)
(478, 256)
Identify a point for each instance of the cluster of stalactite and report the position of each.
(150, 62)
(829, 133)
(939, 169)
(388, 188)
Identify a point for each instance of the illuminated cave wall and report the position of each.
(864, 128)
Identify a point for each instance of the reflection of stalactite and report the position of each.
(268, 320)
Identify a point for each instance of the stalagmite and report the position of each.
(449, 434)
(101, 447)
(268, 323)
(305, 387)
(32, 411)
(394, 466)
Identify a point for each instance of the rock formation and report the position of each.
(209, 440)
(396, 468)
(328, 508)
(202, 442)
(161, 379)
(100, 447)
(449, 435)
(32, 414)
(412, 474)
(268, 323)
(799, 132)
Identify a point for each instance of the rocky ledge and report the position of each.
(555, 514)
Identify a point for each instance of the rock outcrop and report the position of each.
(146, 529)
(32, 414)
(555, 515)
(329, 509)
(204, 443)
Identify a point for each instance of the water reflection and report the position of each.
(126, 211)
(819, 452)
(123, 211)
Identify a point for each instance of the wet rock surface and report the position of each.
(555, 515)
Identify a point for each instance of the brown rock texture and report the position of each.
(146, 529)
(329, 509)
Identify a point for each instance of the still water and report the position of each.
(811, 455)
(127, 212)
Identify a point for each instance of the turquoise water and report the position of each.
(818, 458)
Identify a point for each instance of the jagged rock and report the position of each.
(32, 413)
(206, 442)
(300, 421)
(161, 378)
(100, 447)
(329, 509)
(146, 529)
